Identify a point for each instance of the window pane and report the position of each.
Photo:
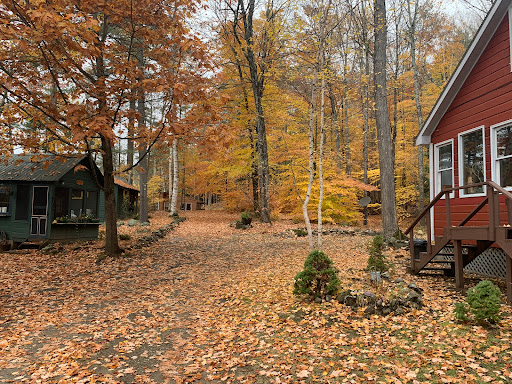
(445, 156)
(506, 172)
(504, 141)
(446, 179)
(473, 161)
(5, 193)
(22, 202)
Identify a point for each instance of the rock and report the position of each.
(328, 298)
(144, 224)
(132, 222)
(120, 223)
(413, 297)
(370, 297)
(318, 300)
(385, 275)
(370, 310)
(414, 287)
(399, 311)
(386, 311)
(148, 238)
(351, 301)
(342, 296)
(240, 225)
(399, 280)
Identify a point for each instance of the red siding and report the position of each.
(485, 99)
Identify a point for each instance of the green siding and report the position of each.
(74, 232)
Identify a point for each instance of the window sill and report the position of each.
(5, 214)
(464, 196)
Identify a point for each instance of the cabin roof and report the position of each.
(124, 184)
(36, 167)
(466, 65)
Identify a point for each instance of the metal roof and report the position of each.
(125, 185)
(466, 65)
(36, 167)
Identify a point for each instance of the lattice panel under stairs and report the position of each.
(491, 262)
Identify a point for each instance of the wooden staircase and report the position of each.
(461, 238)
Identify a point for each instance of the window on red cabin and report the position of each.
(444, 168)
(504, 156)
(471, 161)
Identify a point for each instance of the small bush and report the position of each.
(124, 236)
(319, 277)
(377, 261)
(246, 215)
(300, 232)
(482, 303)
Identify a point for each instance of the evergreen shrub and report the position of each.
(482, 304)
(319, 277)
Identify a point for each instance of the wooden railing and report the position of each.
(492, 198)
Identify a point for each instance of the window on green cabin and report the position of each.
(22, 202)
(5, 197)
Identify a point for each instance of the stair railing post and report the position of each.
(509, 211)
(459, 264)
(429, 234)
(448, 209)
(411, 251)
(492, 208)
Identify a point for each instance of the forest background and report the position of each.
(425, 43)
(264, 107)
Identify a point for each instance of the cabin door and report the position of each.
(39, 219)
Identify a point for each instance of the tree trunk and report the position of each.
(413, 15)
(174, 198)
(257, 75)
(311, 165)
(143, 164)
(111, 240)
(171, 175)
(387, 174)
(129, 146)
(321, 150)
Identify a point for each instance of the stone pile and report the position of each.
(399, 299)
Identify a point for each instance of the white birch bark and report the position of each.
(174, 197)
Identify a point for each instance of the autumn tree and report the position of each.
(69, 71)
(387, 173)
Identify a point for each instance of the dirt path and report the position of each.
(64, 318)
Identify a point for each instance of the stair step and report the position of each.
(435, 269)
(442, 261)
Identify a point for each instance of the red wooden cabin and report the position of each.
(469, 133)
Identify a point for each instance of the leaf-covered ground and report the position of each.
(209, 303)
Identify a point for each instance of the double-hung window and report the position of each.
(502, 155)
(444, 168)
(472, 161)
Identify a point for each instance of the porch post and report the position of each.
(459, 264)
(411, 251)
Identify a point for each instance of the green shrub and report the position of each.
(482, 303)
(300, 232)
(246, 215)
(319, 277)
(124, 236)
(377, 261)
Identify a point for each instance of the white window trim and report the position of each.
(510, 34)
(461, 165)
(494, 150)
(437, 181)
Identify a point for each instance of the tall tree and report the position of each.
(75, 50)
(387, 172)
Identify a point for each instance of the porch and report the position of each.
(468, 241)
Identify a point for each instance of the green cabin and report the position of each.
(49, 198)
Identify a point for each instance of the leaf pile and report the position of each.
(208, 303)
